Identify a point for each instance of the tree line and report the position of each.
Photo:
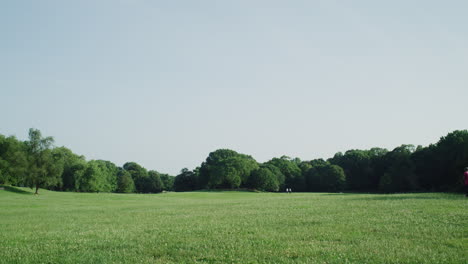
(35, 163)
(437, 167)
(407, 168)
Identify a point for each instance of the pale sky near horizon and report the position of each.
(163, 83)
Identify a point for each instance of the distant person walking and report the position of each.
(466, 181)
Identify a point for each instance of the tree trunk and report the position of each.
(37, 189)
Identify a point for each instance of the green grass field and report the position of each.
(232, 227)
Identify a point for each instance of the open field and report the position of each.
(232, 227)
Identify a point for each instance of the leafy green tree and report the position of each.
(318, 162)
(89, 181)
(357, 165)
(427, 168)
(363, 168)
(304, 166)
(125, 182)
(185, 181)
(226, 174)
(75, 179)
(203, 174)
(139, 176)
(145, 182)
(13, 161)
(154, 184)
(167, 182)
(452, 155)
(277, 172)
(399, 176)
(378, 166)
(110, 170)
(99, 176)
(292, 173)
(73, 166)
(44, 166)
(325, 177)
(264, 179)
(225, 168)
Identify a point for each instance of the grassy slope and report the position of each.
(232, 227)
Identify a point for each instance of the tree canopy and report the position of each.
(44, 167)
(438, 167)
(226, 168)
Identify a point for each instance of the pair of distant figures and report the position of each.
(288, 190)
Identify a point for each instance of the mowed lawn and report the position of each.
(232, 227)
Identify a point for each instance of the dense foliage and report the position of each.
(437, 167)
(35, 163)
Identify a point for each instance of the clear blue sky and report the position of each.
(163, 83)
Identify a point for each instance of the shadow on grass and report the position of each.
(14, 190)
(341, 193)
(227, 190)
(397, 198)
(401, 197)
